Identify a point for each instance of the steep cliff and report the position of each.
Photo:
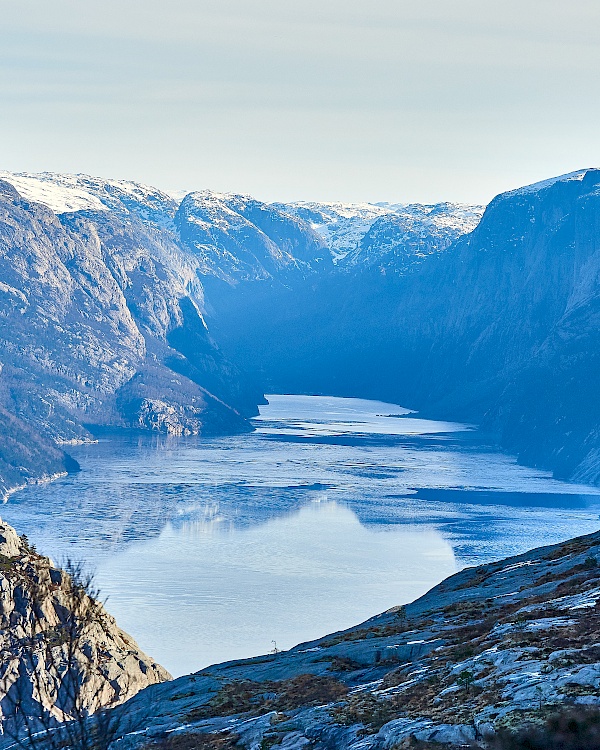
(97, 305)
(63, 655)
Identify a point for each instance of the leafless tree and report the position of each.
(55, 693)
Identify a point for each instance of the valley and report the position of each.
(139, 335)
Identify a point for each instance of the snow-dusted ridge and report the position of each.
(61, 193)
(343, 226)
(339, 227)
(69, 193)
(535, 187)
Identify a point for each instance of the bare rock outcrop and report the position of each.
(63, 655)
(507, 647)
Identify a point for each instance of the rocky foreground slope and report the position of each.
(488, 651)
(63, 655)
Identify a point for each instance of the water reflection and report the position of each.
(207, 591)
(333, 510)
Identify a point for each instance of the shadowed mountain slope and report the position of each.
(499, 328)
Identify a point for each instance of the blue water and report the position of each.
(331, 511)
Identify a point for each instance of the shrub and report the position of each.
(568, 729)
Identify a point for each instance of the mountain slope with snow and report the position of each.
(236, 238)
(97, 307)
(67, 193)
(356, 233)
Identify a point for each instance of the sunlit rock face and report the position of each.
(45, 626)
(95, 303)
(235, 238)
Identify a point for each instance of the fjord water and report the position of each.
(334, 509)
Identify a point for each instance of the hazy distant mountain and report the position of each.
(385, 235)
(502, 328)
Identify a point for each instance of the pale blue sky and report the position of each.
(393, 100)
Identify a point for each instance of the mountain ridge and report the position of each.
(216, 298)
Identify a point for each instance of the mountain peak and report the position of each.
(577, 176)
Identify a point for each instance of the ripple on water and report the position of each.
(332, 510)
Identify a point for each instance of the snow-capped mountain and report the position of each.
(385, 234)
(341, 225)
(68, 193)
(237, 238)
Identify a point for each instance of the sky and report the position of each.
(385, 100)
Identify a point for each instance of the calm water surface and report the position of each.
(331, 511)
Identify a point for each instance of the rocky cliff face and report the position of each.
(63, 655)
(238, 239)
(486, 652)
(499, 329)
(99, 305)
(506, 324)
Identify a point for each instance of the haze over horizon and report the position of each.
(386, 101)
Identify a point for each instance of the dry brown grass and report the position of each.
(246, 696)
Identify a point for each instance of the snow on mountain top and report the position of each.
(66, 193)
(61, 193)
(543, 184)
(343, 225)
(334, 209)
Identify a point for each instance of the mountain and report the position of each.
(126, 307)
(369, 234)
(102, 324)
(236, 238)
(500, 328)
(473, 663)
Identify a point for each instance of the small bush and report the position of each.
(199, 741)
(570, 729)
